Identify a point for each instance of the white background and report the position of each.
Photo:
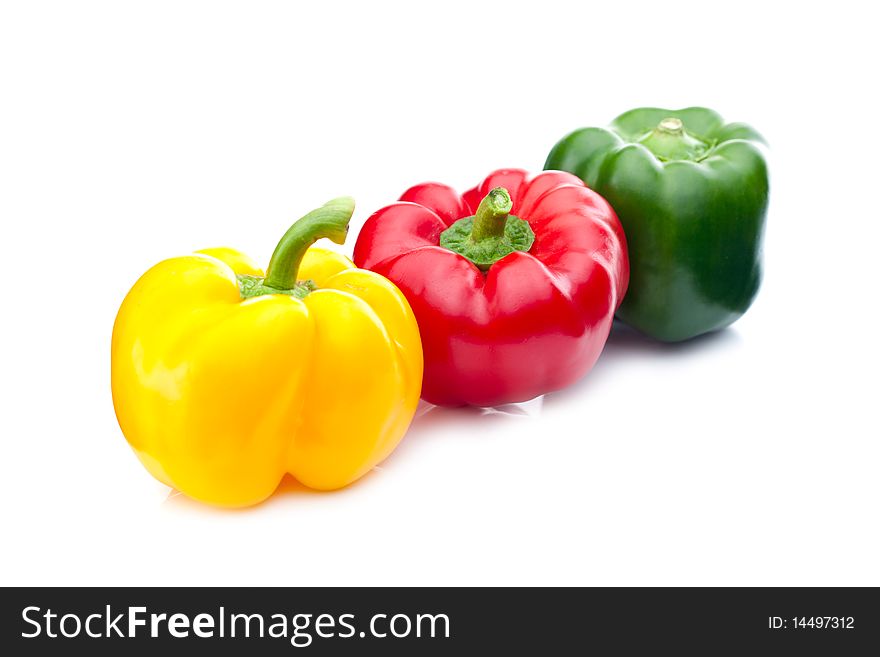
(132, 132)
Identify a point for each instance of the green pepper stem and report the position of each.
(330, 221)
(670, 141)
(491, 216)
(671, 125)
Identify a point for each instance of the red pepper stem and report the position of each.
(330, 221)
(491, 216)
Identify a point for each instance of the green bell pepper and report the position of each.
(691, 192)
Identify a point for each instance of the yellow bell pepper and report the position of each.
(225, 379)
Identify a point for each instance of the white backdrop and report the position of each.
(132, 132)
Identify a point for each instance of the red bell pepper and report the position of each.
(514, 284)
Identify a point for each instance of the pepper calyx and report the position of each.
(255, 286)
(491, 234)
(670, 141)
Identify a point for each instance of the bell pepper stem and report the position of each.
(330, 221)
(491, 215)
(490, 234)
(671, 141)
(671, 125)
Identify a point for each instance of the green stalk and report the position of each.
(670, 141)
(330, 221)
(491, 216)
(282, 275)
(491, 234)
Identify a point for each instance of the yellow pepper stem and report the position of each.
(330, 221)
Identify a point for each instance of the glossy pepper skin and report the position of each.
(315, 373)
(518, 325)
(692, 193)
